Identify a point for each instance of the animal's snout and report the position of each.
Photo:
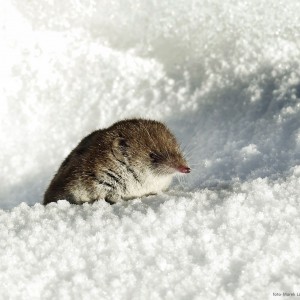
(184, 169)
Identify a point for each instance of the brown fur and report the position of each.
(107, 158)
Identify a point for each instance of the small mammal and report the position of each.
(130, 159)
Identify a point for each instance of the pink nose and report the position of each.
(184, 169)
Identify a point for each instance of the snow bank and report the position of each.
(224, 76)
(205, 245)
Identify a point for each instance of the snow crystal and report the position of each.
(224, 76)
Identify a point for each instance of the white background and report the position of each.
(224, 76)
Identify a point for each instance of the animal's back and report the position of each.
(69, 169)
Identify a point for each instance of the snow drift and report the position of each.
(224, 77)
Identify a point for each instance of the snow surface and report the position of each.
(224, 75)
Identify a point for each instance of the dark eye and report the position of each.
(155, 157)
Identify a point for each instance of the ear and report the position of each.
(123, 145)
(120, 147)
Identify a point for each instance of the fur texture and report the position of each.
(130, 159)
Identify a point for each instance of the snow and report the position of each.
(224, 76)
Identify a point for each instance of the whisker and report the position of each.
(179, 181)
(197, 164)
(190, 148)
